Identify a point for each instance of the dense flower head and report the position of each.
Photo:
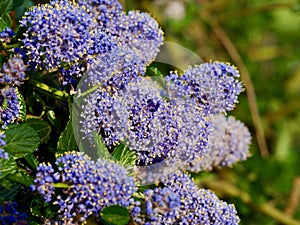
(6, 35)
(228, 144)
(194, 130)
(213, 86)
(161, 207)
(3, 154)
(44, 180)
(13, 72)
(199, 206)
(141, 120)
(90, 185)
(95, 116)
(9, 214)
(9, 105)
(164, 133)
(60, 34)
(140, 32)
(116, 68)
(104, 11)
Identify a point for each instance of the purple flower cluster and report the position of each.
(213, 87)
(59, 36)
(13, 72)
(44, 180)
(9, 105)
(141, 118)
(10, 215)
(228, 144)
(6, 35)
(67, 37)
(140, 32)
(3, 154)
(105, 11)
(199, 206)
(162, 206)
(57, 33)
(89, 186)
(116, 68)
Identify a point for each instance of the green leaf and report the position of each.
(42, 128)
(2, 24)
(124, 156)
(21, 139)
(5, 6)
(20, 6)
(100, 146)
(66, 141)
(115, 215)
(21, 177)
(157, 76)
(42, 209)
(51, 117)
(22, 104)
(7, 19)
(32, 161)
(8, 190)
(7, 166)
(17, 3)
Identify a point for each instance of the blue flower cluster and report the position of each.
(3, 154)
(162, 206)
(9, 105)
(58, 35)
(115, 69)
(65, 36)
(6, 35)
(228, 144)
(141, 118)
(10, 215)
(199, 206)
(181, 202)
(213, 87)
(89, 186)
(12, 74)
(105, 11)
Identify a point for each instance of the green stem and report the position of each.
(5, 46)
(60, 185)
(59, 94)
(94, 88)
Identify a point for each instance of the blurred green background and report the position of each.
(262, 38)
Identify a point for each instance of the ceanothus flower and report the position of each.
(9, 105)
(3, 154)
(199, 206)
(140, 32)
(44, 180)
(104, 11)
(61, 35)
(89, 186)
(142, 117)
(213, 86)
(6, 35)
(228, 144)
(162, 206)
(13, 72)
(142, 120)
(116, 68)
(9, 214)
